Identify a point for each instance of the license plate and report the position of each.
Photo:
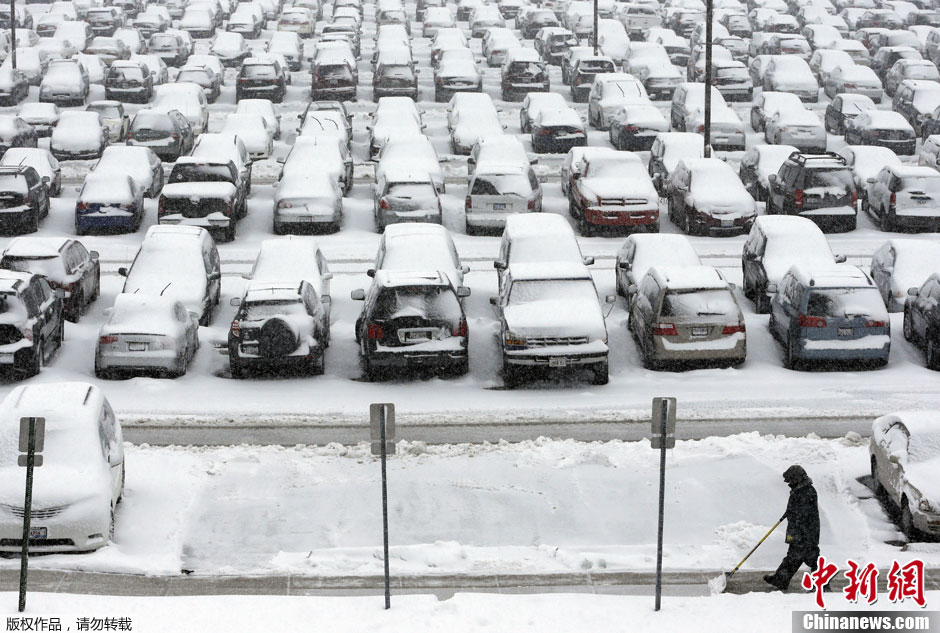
(38, 532)
(845, 331)
(249, 349)
(137, 347)
(700, 331)
(556, 361)
(727, 223)
(921, 202)
(499, 206)
(417, 336)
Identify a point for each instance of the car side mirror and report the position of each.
(840, 259)
(235, 301)
(499, 265)
(326, 276)
(588, 260)
(772, 288)
(371, 272)
(463, 291)
(623, 265)
(93, 254)
(214, 276)
(465, 269)
(576, 175)
(358, 295)
(631, 289)
(894, 458)
(60, 293)
(870, 181)
(494, 301)
(772, 178)
(913, 292)
(193, 316)
(122, 271)
(610, 299)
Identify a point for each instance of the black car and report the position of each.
(557, 131)
(536, 20)
(31, 323)
(411, 320)
(844, 107)
(277, 325)
(261, 79)
(922, 319)
(333, 80)
(820, 187)
(523, 73)
(196, 169)
(168, 134)
(129, 82)
(14, 87)
(15, 132)
(24, 199)
(334, 106)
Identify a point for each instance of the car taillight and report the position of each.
(872, 323)
(530, 204)
(383, 203)
(811, 321)
(375, 331)
(545, 132)
(701, 128)
(467, 202)
(850, 85)
(236, 328)
(461, 329)
(176, 136)
(894, 198)
(632, 128)
(81, 206)
(733, 329)
(798, 197)
(107, 340)
(129, 137)
(854, 198)
(228, 210)
(665, 329)
(28, 333)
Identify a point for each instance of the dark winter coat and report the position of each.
(803, 515)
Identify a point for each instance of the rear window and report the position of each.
(109, 112)
(525, 68)
(840, 179)
(10, 200)
(845, 302)
(258, 71)
(201, 173)
(716, 302)
(134, 74)
(152, 123)
(259, 311)
(501, 185)
(432, 302)
(189, 208)
(410, 191)
(339, 72)
(924, 185)
(596, 66)
(194, 76)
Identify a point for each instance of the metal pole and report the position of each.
(708, 78)
(595, 27)
(388, 594)
(662, 505)
(27, 510)
(13, 33)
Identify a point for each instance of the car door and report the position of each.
(833, 115)
(752, 262)
(49, 306)
(780, 308)
(879, 270)
(926, 308)
(113, 442)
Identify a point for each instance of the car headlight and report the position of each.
(285, 204)
(926, 506)
(513, 340)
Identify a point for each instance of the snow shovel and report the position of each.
(717, 585)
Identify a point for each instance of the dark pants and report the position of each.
(796, 556)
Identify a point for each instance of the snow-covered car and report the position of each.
(635, 127)
(31, 323)
(472, 117)
(697, 207)
(688, 115)
(245, 24)
(608, 93)
(277, 324)
(113, 117)
(78, 135)
(881, 128)
(905, 196)
(552, 41)
(584, 71)
(14, 87)
(420, 246)
(45, 164)
(188, 99)
(824, 60)
(64, 263)
(413, 149)
(557, 131)
(305, 200)
(456, 75)
(76, 491)
(668, 148)
(405, 193)
(168, 134)
(834, 313)
(536, 101)
(844, 107)
(651, 64)
(903, 450)
(65, 82)
(758, 163)
(15, 132)
(42, 117)
(921, 319)
(523, 73)
(909, 69)
(411, 320)
(129, 81)
(327, 153)
(929, 153)
(108, 49)
(264, 109)
(203, 193)
(202, 76)
(289, 45)
(550, 319)
(197, 22)
(733, 81)
(687, 314)
(613, 190)
(393, 117)
(799, 128)
(140, 163)
(769, 103)
(251, 129)
(866, 161)
(901, 264)
(170, 47)
(24, 199)
(773, 245)
(852, 78)
(436, 18)
(109, 202)
(29, 62)
(497, 189)
(787, 73)
(497, 42)
(525, 236)
(640, 252)
(261, 79)
(146, 334)
(181, 262)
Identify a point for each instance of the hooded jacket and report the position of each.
(802, 509)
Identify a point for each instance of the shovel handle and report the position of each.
(769, 532)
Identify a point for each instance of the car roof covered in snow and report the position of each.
(913, 171)
(387, 278)
(62, 404)
(10, 280)
(36, 246)
(917, 422)
(549, 270)
(687, 277)
(832, 276)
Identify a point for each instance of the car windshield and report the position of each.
(921, 184)
(845, 302)
(201, 173)
(49, 267)
(501, 185)
(571, 291)
(840, 179)
(108, 112)
(717, 302)
(194, 76)
(261, 310)
(732, 73)
(432, 302)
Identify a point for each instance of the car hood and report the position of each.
(923, 476)
(556, 318)
(56, 485)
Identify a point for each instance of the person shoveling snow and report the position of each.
(802, 516)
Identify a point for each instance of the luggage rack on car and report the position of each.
(801, 158)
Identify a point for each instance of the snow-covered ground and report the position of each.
(536, 506)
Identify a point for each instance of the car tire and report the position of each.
(462, 368)
(33, 224)
(790, 359)
(761, 303)
(601, 374)
(908, 328)
(886, 221)
(876, 486)
(317, 365)
(228, 233)
(512, 376)
(77, 308)
(907, 521)
(36, 360)
(236, 369)
(111, 528)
